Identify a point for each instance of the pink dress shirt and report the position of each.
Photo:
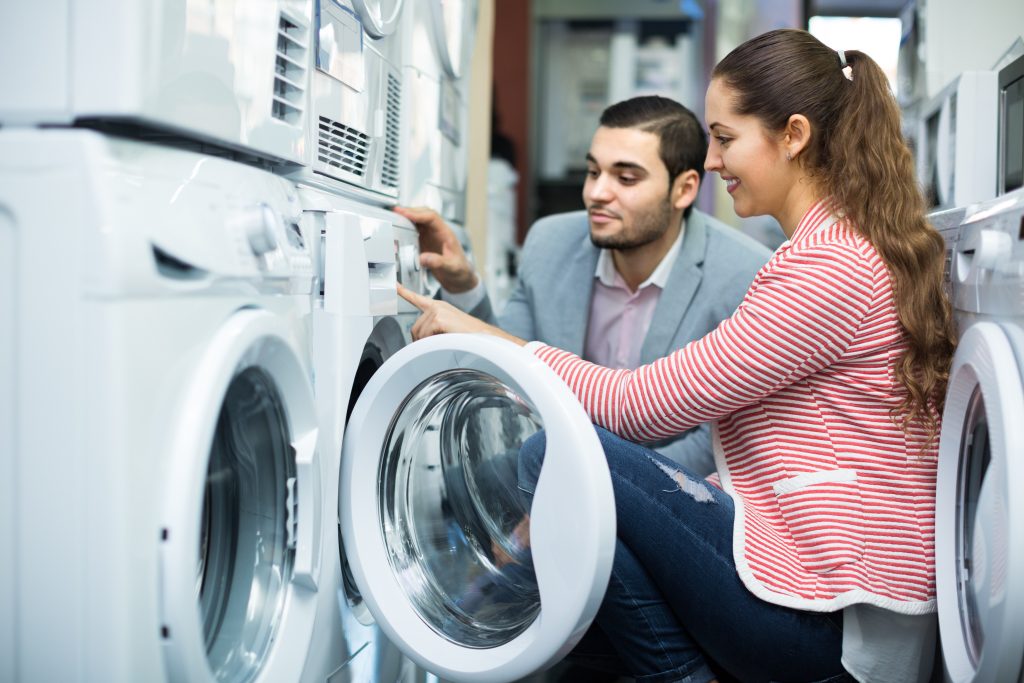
(619, 318)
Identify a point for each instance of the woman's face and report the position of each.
(750, 159)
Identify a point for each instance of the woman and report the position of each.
(815, 559)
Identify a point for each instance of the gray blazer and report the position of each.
(551, 300)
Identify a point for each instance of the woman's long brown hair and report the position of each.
(858, 157)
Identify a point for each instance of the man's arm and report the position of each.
(443, 256)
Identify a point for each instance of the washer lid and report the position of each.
(471, 574)
(979, 513)
(379, 17)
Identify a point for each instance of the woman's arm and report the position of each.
(801, 314)
(439, 317)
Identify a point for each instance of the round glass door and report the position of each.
(245, 559)
(981, 455)
(456, 523)
(240, 551)
(480, 564)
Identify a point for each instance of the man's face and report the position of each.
(626, 192)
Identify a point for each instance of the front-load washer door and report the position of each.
(480, 564)
(980, 510)
(240, 542)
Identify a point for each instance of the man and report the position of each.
(636, 275)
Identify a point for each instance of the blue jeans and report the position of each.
(675, 608)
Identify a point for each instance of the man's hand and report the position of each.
(440, 317)
(440, 251)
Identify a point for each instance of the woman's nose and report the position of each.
(712, 161)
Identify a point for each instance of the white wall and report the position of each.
(962, 36)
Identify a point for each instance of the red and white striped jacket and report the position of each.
(835, 504)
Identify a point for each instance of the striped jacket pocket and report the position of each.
(824, 513)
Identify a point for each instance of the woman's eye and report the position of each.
(722, 140)
(627, 179)
(591, 172)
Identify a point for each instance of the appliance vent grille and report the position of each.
(392, 137)
(290, 72)
(343, 147)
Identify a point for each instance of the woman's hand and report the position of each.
(439, 317)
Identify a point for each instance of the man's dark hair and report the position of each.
(682, 142)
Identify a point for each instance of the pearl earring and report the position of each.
(789, 157)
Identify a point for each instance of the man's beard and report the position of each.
(647, 227)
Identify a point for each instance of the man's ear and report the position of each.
(797, 135)
(685, 188)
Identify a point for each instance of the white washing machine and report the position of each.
(956, 141)
(438, 36)
(979, 514)
(353, 142)
(359, 322)
(426, 488)
(231, 73)
(165, 482)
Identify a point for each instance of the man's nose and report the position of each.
(599, 188)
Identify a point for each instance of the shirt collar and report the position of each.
(816, 216)
(606, 273)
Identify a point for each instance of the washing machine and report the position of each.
(358, 322)
(438, 36)
(232, 74)
(957, 142)
(435, 562)
(979, 516)
(353, 142)
(165, 487)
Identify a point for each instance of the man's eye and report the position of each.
(627, 179)
(592, 172)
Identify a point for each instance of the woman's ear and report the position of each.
(796, 136)
(684, 189)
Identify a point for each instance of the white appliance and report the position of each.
(956, 142)
(231, 73)
(438, 37)
(166, 485)
(979, 513)
(355, 99)
(469, 578)
(358, 322)
(1011, 126)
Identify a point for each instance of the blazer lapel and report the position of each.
(572, 298)
(679, 291)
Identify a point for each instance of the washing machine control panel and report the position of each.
(274, 241)
(987, 263)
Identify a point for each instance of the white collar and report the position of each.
(606, 273)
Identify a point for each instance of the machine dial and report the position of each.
(261, 229)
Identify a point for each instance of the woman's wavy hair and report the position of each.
(858, 157)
